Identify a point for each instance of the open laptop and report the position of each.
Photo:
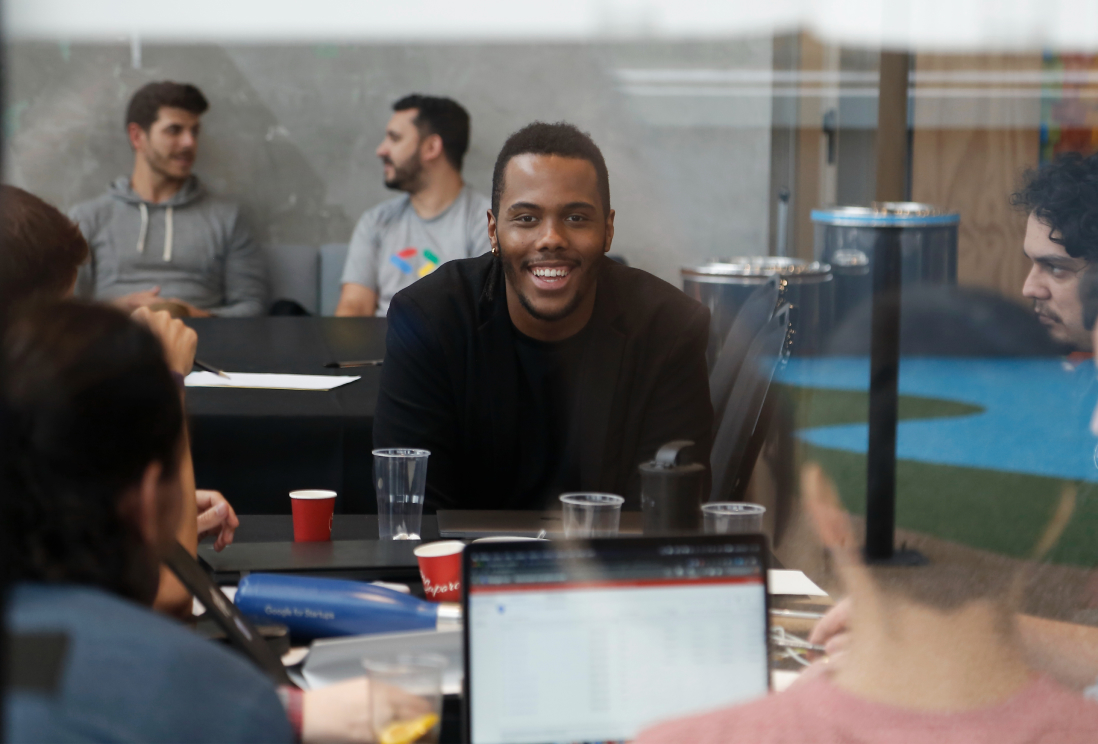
(592, 641)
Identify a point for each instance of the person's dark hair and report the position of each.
(560, 138)
(1064, 195)
(144, 107)
(1088, 295)
(442, 116)
(87, 402)
(40, 249)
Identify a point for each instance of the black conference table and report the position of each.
(255, 446)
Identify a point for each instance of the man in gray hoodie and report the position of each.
(158, 236)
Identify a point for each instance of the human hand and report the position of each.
(192, 311)
(343, 712)
(134, 300)
(215, 515)
(178, 340)
(832, 631)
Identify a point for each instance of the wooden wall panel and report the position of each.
(974, 171)
(814, 57)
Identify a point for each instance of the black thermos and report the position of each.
(671, 491)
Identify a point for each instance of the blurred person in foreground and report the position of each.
(157, 237)
(439, 217)
(1066, 651)
(1061, 201)
(933, 653)
(91, 444)
(543, 366)
(41, 251)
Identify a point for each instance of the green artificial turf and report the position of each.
(986, 509)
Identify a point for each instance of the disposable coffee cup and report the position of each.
(313, 511)
(440, 568)
(732, 518)
(400, 477)
(587, 515)
(406, 698)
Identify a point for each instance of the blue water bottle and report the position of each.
(321, 608)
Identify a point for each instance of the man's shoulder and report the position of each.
(755, 722)
(124, 656)
(221, 208)
(383, 214)
(102, 625)
(90, 209)
(646, 299)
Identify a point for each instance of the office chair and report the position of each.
(739, 439)
(752, 316)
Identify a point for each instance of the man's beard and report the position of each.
(511, 273)
(160, 164)
(1041, 309)
(407, 175)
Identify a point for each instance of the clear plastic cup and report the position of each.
(400, 476)
(591, 514)
(406, 697)
(732, 518)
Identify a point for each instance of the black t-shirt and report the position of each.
(548, 440)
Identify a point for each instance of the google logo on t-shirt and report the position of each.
(403, 261)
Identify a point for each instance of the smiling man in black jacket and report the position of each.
(543, 367)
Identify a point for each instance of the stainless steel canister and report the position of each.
(724, 285)
(928, 239)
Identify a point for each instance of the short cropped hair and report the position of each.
(442, 116)
(561, 139)
(1064, 195)
(144, 107)
(40, 249)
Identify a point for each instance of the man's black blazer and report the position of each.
(451, 378)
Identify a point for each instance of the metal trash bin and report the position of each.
(853, 281)
(724, 285)
(928, 246)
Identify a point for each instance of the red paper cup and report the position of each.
(440, 567)
(313, 512)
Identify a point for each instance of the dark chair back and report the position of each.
(756, 311)
(731, 459)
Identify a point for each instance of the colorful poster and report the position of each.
(1069, 104)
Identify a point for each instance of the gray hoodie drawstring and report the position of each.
(144, 232)
(168, 235)
(144, 227)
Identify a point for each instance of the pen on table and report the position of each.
(359, 363)
(208, 368)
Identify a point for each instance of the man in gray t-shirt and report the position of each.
(439, 218)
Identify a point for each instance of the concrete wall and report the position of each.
(292, 129)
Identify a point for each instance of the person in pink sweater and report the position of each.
(933, 657)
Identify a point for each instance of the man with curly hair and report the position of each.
(1061, 240)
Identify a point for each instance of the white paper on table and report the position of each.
(266, 381)
(781, 679)
(783, 581)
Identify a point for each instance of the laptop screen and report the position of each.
(593, 641)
